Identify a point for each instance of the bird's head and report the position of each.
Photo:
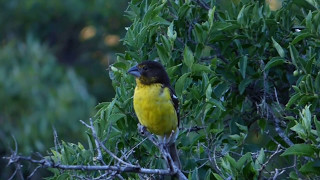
(149, 72)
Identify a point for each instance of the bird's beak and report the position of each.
(134, 71)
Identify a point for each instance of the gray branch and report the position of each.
(46, 163)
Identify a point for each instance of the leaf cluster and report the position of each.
(248, 75)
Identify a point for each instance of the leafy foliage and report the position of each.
(37, 95)
(84, 34)
(247, 75)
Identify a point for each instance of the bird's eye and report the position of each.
(145, 68)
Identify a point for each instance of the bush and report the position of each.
(247, 79)
(37, 95)
(83, 34)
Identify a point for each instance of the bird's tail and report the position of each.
(174, 154)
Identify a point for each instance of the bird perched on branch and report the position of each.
(156, 105)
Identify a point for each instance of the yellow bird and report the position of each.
(156, 104)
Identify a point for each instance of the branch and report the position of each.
(278, 129)
(164, 151)
(202, 4)
(96, 140)
(99, 145)
(192, 129)
(267, 162)
(46, 163)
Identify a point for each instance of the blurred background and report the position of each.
(54, 57)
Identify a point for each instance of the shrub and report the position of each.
(248, 83)
(37, 95)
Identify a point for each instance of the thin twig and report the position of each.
(96, 140)
(127, 154)
(13, 174)
(202, 4)
(278, 150)
(34, 171)
(100, 145)
(193, 129)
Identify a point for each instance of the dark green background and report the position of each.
(50, 74)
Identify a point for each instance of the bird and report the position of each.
(156, 104)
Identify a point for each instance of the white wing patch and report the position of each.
(174, 96)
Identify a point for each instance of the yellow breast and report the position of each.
(154, 108)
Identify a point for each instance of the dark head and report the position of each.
(149, 72)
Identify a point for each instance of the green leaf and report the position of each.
(197, 68)
(221, 26)
(307, 4)
(171, 33)
(172, 70)
(110, 107)
(311, 168)
(243, 66)
(63, 176)
(260, 159)
(231, 160)
(115, 117)
(180, 84)
(309, 83)
(217, 176)
(273, 62)
(294, 55)
(300, 130)
(306, 119)
(293, 176)
(200, 33)
(220, 89)
(218, 104)
(211, 16)
(317, 82)
(317, 123)
(300, 150)
(188, 58)
(293, 99)
(195, 175)
(163, 54)
(300, 37)
(242, 128)
(208, 92)
(166, 44)
(278, 48)
(235, 137)
(243, 84)
(207, 176)
(242, 161)
(250, 172)
(240, 17)
(308, 20)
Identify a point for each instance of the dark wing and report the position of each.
(175, 101)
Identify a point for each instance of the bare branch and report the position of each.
(278, 129)
(193, 129)
(278, 150)
(277, 174)
(202, 4)
(13, 174)
(46, 163)
(56, 139)
(96, 140)
(34, 171)
(101, 145)
(164, 151)
(128, 153)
